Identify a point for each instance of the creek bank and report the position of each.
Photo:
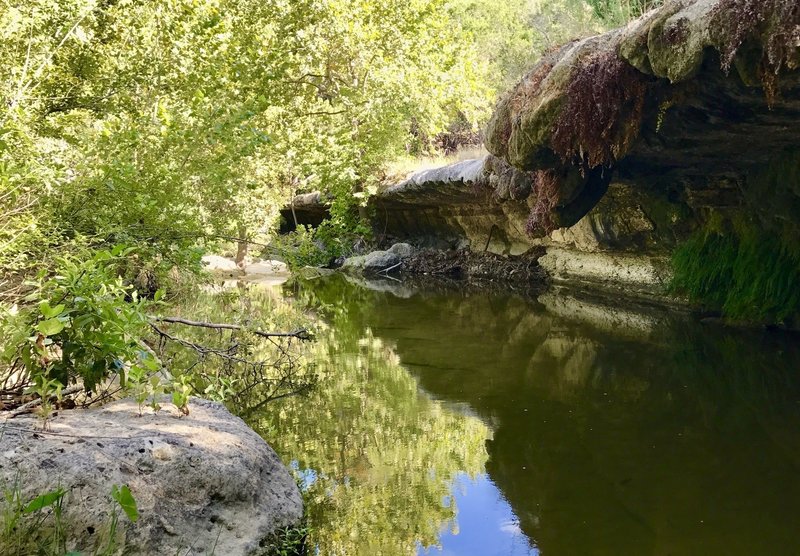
(450, 264)
(256, 271)
(200, 481)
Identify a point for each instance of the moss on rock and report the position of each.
(742, 270)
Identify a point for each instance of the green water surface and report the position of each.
(448, 422)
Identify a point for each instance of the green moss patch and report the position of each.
(745, 273)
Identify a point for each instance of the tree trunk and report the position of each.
(241, 248)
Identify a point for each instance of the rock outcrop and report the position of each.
(616, 149)
(378, 261)
(689, 98)
(620, 245)
(201, 481)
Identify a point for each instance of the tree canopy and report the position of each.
(135, 136)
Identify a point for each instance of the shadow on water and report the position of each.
(608, 430)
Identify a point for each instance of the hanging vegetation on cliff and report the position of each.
(602, 113)
(775, 24)
(743, 272)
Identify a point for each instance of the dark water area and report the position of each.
(473, 423)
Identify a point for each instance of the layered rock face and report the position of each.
(615, 149)
(485, 205)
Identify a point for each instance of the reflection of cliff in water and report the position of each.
(615, 434)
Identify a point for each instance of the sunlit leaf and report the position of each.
(122, 495)
(50, 327)
(44, 501)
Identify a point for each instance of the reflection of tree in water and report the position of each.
(382, 455)
(234, 360)
(665, 438)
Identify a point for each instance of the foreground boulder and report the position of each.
(201, 482)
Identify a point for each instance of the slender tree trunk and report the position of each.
(294, 194)
(241, 248)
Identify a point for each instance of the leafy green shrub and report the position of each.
(82, 323)
(744, 272)
(299, 248)
(39, 525)
(308, 246)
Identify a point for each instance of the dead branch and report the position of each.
(301, 333)
(267, 380)
(391, 268)
(202, 350)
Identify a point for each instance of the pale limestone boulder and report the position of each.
(203, 481)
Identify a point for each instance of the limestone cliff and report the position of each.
(616, 149)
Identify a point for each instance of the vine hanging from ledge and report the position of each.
(775, 22)
(603, 111)
(546, 188)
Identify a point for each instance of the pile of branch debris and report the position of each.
(467, 265)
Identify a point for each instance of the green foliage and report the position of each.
(320, 246)
(164, 123)
(291, 541)
(742, 271)
(511, 36)
(181, 390)
(122, 496)
(39, 526)
(83, 323)
(27, 526)
(44, 501)
(46, 389)
(620, 12)
(301, 248)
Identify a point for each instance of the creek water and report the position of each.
(448, 422)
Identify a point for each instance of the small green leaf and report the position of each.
(44, 307)
(45, 500)
(150, 363)
(179, 399)
(122, 495)
(50, 312)
(50, 327)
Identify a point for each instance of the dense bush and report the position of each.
(82, 324)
